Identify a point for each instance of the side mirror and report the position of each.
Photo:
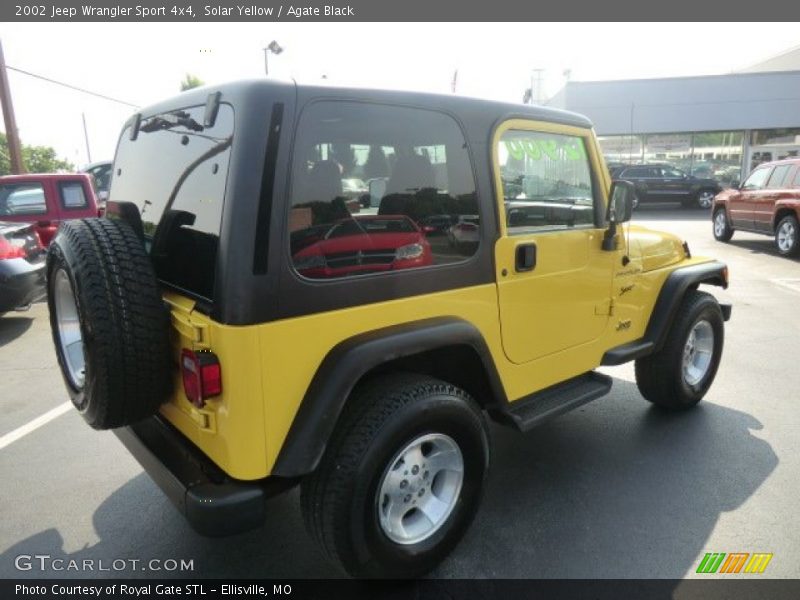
(736, 184)
(377, 190)
(620, 205)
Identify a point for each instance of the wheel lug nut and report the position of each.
(425, 474)
(404, 483)
(407, 498)
(421, 492)
(414, 470)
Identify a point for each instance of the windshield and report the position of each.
(175, 172)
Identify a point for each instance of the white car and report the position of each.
(465, 232)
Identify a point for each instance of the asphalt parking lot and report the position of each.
(614, 489)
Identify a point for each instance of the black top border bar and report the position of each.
(394, 10)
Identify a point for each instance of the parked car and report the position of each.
(438, 224)
(371, 390)
(465, 233)
(359, 245)
(660, 182)
(22, 266)
(46, 200)
(101, 174)
(768, 202)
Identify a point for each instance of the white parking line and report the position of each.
(790, 284)
(21, 432)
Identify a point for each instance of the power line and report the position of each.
(72, 87)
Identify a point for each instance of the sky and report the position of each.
(143, 63)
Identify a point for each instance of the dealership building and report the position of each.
(717, 126)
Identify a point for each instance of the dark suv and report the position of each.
(660, 183)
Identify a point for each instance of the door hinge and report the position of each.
(604, 309)
(196, 333)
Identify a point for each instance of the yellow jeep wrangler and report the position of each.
(338, 287)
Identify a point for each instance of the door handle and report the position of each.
(525, 257)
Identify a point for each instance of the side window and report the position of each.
(776, 180)
(22, 199)
(72, 195)
(102, 176)
(379, 188)
(671, 173)
(757, 179)
(547, 182)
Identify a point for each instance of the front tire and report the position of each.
(722, 230)
(401, 479)
(679, 375)
(787, 236)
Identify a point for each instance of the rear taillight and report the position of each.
(202, 376)
(9, 250)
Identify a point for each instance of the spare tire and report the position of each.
(110, 326)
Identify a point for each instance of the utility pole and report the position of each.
(12, 136)
(86, 137)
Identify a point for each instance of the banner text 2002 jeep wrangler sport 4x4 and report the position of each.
(267, 302)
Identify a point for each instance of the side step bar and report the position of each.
(549, 403)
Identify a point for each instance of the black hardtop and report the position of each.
(266, 90)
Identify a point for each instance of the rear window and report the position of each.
(22, 199)
(175, 173)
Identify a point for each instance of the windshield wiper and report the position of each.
(169, 120)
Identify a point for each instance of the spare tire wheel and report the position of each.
(109, 323)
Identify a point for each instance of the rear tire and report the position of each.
(704, 199)
(679, 375)
(387, 499)
(722, 229)
(787, 236)
(109, 324)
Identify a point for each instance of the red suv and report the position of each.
(46, 200)
(767, 202)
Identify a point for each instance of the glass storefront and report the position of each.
(715, 155)
(773, 144)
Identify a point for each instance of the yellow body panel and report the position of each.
(267, 368)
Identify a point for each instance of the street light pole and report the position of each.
(273, 47)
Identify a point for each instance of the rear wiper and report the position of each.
(169, 120)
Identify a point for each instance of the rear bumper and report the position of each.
(21, 283)
(214, 504)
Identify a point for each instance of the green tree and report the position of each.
(191, 81)
(36, 159)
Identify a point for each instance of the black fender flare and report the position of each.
(348, 362)
(669, 299)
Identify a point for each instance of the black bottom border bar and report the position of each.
(428, 589)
